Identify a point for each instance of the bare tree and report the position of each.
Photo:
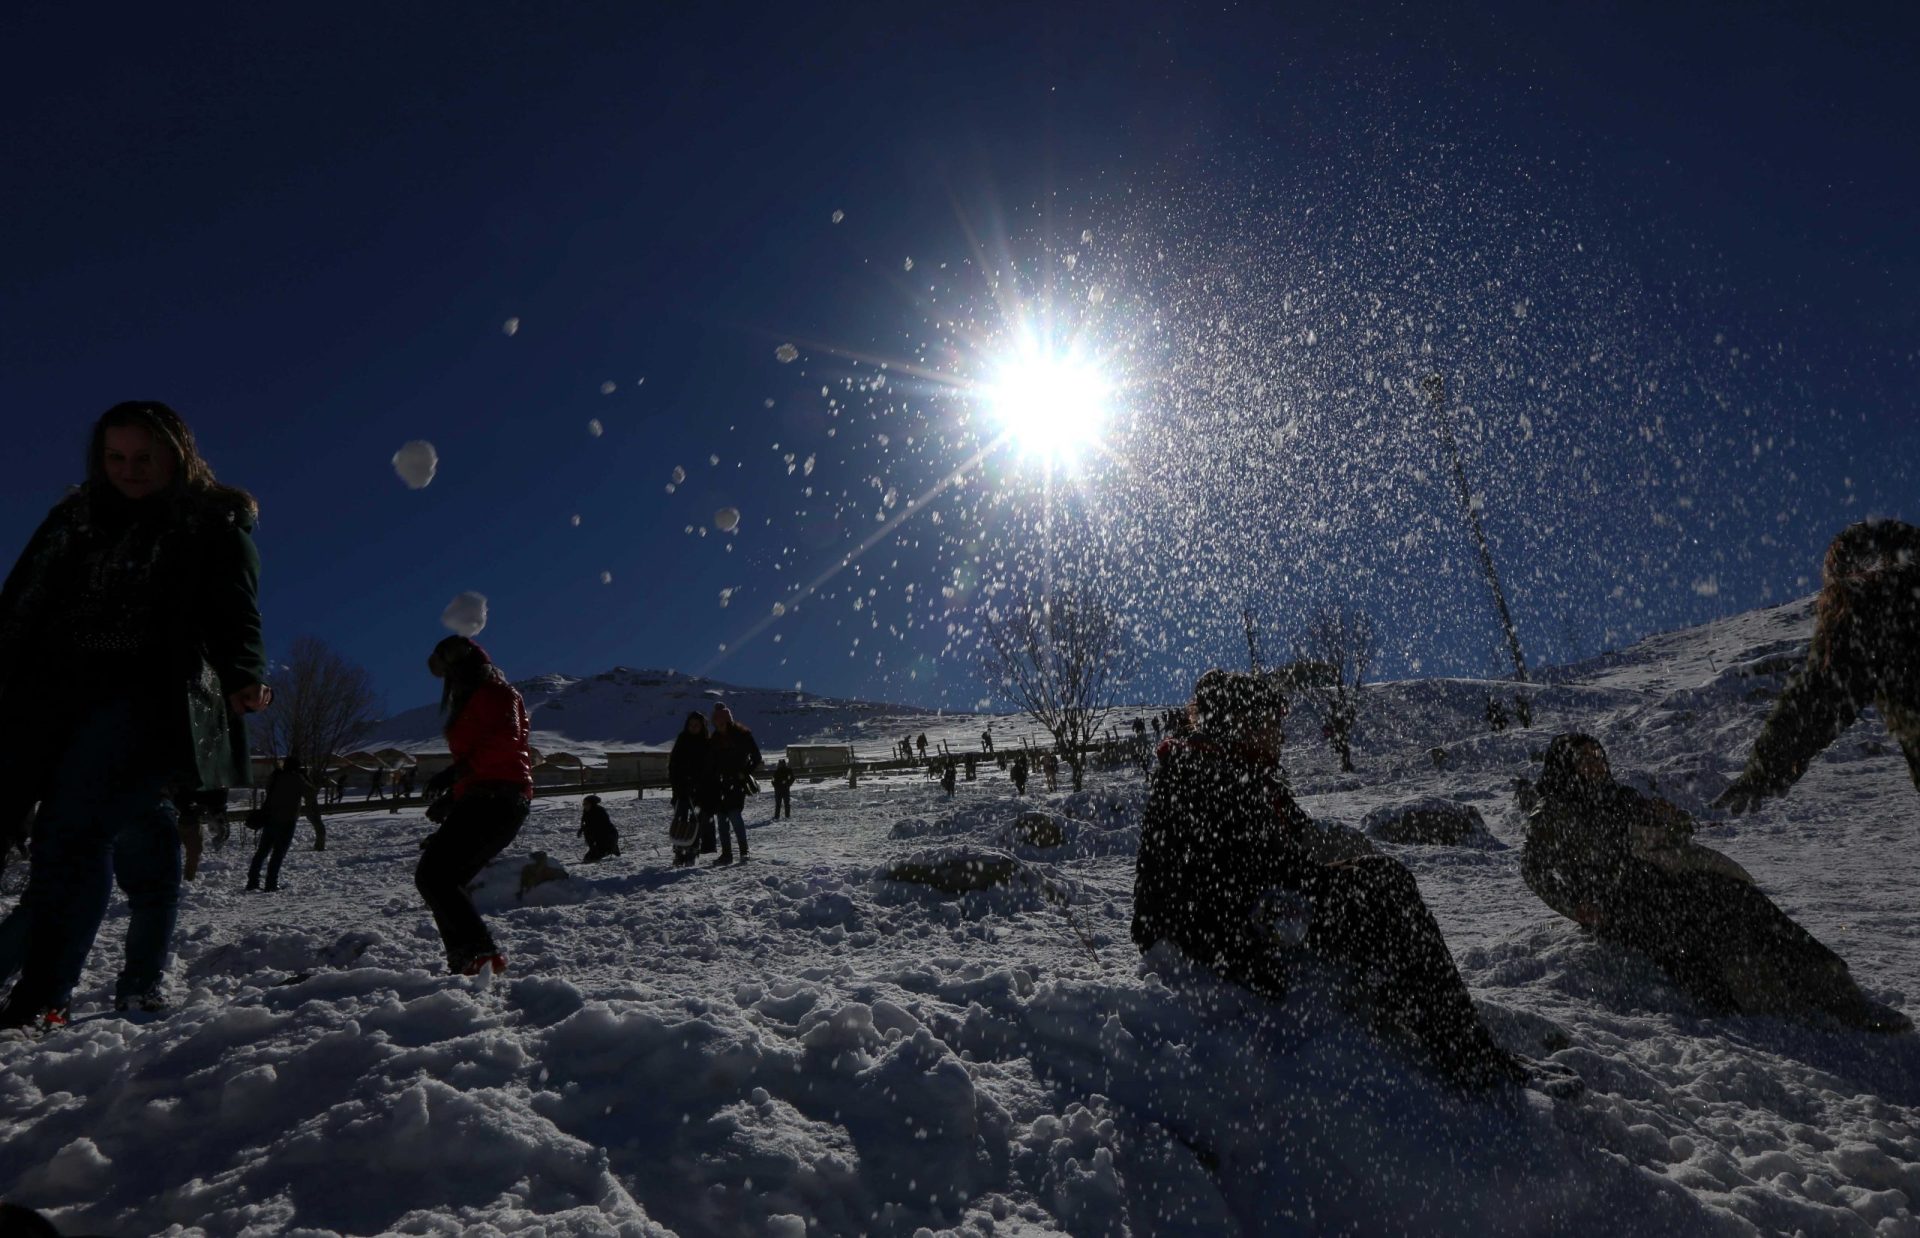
(1339, 645)
(322, 706)
(1061, 659)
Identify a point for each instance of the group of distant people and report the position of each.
(1231, 871)
(710, 771)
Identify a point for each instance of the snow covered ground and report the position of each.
(803, 1046)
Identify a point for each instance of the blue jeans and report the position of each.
(735, 818)
(106, 818)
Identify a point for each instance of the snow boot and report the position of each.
(153, 1001)
(480, 963)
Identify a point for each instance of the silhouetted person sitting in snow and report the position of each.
(597, 828)
(1225, 873)
(1625, 866)
(1866, 650)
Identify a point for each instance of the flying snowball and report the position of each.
(595, 428)
(779, 609)
(727, 519)
(786, 354)
(416, 462)
(466, 614)
(606, 578)
(838, 216)
(510, 327)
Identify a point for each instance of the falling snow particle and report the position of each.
(786, 354)
(909, 265)
(727, 519)
(1096, 294)
(576, 522)
(1707, 586)
(466, 614)
(608, 387)
(679, 474)
(1086, 237)
(837, 216)
(726, 596)
(779, 609)
(595, 428)
(510, 327)
(416, 463)
(606, 578)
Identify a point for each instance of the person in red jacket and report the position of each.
(484, 794)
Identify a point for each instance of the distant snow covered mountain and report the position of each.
(625, 708)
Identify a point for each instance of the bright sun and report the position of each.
(1050, 403)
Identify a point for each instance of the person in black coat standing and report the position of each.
(732, 756)
(782, 790)
(687, 778)
(279, 813)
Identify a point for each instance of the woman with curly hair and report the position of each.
(1866, 650)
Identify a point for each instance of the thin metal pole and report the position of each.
(1436, 387)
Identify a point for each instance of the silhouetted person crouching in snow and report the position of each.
(1625, 866)
(1225, 874)
(597, 828)
(1866, 650)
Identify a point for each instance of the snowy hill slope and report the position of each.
(805, 1046)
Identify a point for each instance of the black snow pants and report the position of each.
(274, 841)
(482, 824)
(1369, 920)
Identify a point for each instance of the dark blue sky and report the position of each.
(304, 227)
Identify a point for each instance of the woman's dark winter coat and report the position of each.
(687, 771)
(155, 599)
(732, 756)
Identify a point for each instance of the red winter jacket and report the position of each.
(488, 740)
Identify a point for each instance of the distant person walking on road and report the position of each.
(732, 756)
(687, 778)
(1865, 651)
(986, 742)
(130, 648)
(782, 790)
(487, 792)
(279, 814)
